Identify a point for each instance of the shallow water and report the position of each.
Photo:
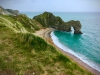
(86, 46)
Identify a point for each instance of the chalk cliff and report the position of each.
(8, 11)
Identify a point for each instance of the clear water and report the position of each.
(86, 46)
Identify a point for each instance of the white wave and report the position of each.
(81, 57)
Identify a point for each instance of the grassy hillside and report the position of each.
(22, 53)
(20, 23)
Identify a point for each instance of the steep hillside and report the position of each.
(22, 53)
(8, 11)
(19, 23)
(47, 19)
(13, 12)
(3, 11)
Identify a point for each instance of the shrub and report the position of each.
(63, 58)
(32, 41)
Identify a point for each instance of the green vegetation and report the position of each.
(32, 41)
(22, 53)
(8, 11)
(19, 23)
(47, 19)
(27, 22)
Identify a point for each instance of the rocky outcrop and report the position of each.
(8, 11)
(76, 26)
(14, 12)
(3, 11)
(47, 19)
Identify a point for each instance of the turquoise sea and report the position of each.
(86, 47)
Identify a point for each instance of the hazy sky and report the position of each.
(53, 5)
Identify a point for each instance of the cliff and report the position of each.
(3, 11)
(47, 19)
(8, 11)
(14, 12)
(23, 53)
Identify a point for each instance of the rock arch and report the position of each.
(47, 19)
(76, 26)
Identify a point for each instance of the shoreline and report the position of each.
(45, 34)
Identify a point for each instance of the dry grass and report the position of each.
(25, 54)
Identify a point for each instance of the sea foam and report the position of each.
(81, 57)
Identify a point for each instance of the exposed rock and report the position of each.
(8, 11)
(76, 26)
(47, 19)
(3, 11)
(14, 12)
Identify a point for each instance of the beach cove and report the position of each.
(45, 34)
(50, 37)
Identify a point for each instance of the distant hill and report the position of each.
(8, 11)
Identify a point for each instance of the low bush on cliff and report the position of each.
(32, 41)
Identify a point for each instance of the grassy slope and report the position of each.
(22, 53)
(20, 23)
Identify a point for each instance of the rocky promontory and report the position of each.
(8, 11)
(13, 12)
(47, 19)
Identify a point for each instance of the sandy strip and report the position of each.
(45, 34)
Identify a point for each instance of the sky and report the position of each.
(52, 5)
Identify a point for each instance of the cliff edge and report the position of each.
(47, 19)
(8, 11)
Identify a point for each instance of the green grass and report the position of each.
(32, 41)
(20, 23)
(25, 54)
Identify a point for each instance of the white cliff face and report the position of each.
(8, 11)
(13, 12)
(3, 11)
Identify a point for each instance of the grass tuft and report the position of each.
(32, 41)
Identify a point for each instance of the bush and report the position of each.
(32, 41)
(63, 58)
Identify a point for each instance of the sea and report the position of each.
(86, 46)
